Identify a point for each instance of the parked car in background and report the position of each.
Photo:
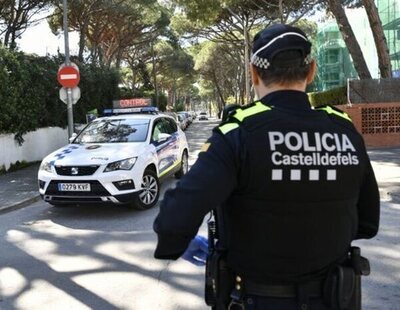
(193, 115)
(203, 116)
(119, 159)
(186, 118)
(182, 122)
(173, 115)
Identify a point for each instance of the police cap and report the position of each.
(278, 38)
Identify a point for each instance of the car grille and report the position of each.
(75, 199)
(76, 170)
(96, 189)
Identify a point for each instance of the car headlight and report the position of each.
(45, 166)
(125, 164)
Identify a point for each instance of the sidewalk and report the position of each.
(386, 164)
(19, 189)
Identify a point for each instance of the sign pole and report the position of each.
(67, 62)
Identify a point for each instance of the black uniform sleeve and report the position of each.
(368, 206)
(208, 184)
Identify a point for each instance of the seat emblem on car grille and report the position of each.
(74, 171)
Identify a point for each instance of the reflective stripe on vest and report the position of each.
(329, 110)
(228, 127)
(240, 115)
(258, 107)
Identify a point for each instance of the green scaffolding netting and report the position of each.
(389, 12)
(334, 63)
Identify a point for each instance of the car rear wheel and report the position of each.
(148, 196)
(184, 166)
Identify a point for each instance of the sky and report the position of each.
(40, 40)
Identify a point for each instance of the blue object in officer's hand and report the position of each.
(197, 251)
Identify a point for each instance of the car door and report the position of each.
(174, 141)
(163, 147)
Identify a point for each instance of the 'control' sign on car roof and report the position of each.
(131, 103)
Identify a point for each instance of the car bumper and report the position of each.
(65, 199)
(103, 189)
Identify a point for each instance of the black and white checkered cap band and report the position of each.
(264, 62)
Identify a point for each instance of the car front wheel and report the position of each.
(184, 166)
(148, 196)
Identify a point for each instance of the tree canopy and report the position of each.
(180, 49)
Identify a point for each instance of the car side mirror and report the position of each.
(72, 138)
(163, 137)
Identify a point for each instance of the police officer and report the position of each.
(295, 185)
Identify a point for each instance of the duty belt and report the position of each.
(312, 288)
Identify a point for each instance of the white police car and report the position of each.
(117, 159)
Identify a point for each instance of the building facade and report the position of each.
(389, 12)
(334, 62)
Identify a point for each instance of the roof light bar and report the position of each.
(138, 110)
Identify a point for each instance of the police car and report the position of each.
(117, 159)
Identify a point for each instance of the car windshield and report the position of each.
(114, 131)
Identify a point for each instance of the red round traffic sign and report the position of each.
(68, 76)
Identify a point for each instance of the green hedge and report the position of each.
(29, 92)
(334, 96)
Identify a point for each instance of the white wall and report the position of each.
(37, 145)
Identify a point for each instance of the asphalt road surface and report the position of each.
(102, 258)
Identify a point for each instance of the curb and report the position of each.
(19, 205)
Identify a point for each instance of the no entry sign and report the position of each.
(68, 76)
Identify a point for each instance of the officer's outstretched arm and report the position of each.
(208, 184)
(368, 206)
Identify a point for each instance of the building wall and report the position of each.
(379, 123)
(37, 145)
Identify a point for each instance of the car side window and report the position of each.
(157, 129)
(171, 126)
(162, 125)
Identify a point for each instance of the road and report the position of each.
(94, 257)
(102, 258)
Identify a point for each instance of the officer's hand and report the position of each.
(197, 251)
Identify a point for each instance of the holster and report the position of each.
(342, 288)
(219, 280)
(339, 287)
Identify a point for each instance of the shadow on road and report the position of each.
(96, 257)
(107, 251)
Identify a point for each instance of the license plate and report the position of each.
(74, 187)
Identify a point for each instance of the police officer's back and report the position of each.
(295, 184)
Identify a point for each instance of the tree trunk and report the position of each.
(246, 59)
(349, 38)
(281, 11)
(218, 89)
(375, 22)
(82, 41)
(118, 59)
(6, 38)
(154, 73)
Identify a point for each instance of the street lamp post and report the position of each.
(67, 63)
